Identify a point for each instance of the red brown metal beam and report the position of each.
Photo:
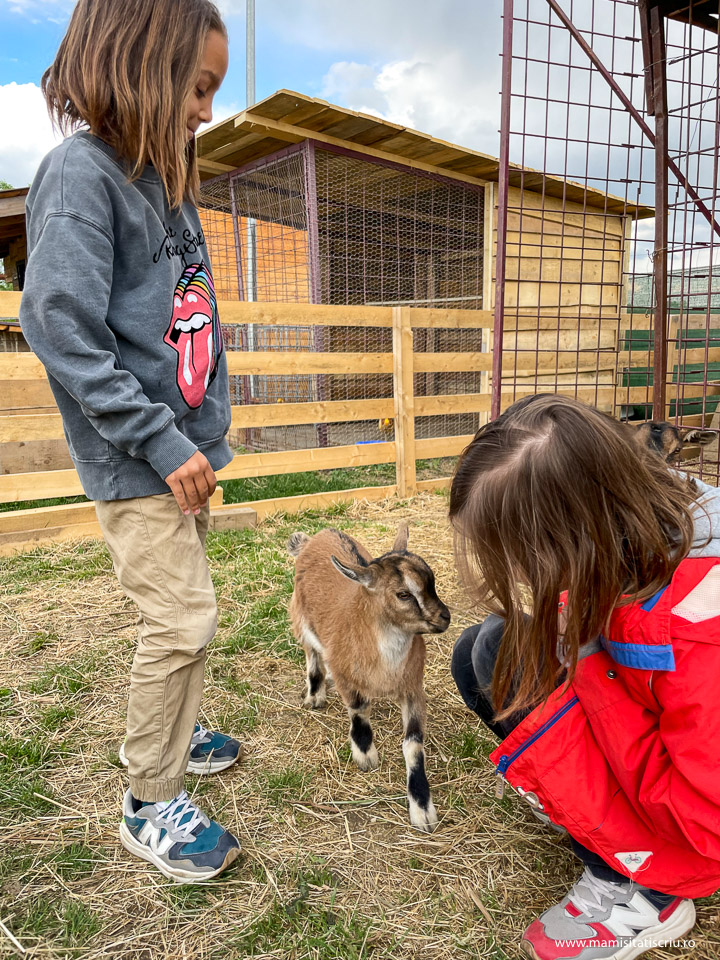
(653, 33)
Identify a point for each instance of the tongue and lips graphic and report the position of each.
(191, 335)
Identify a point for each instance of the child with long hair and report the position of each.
(598, 666)
(120, 307)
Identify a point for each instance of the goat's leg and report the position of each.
(420, 806)
(364, 752)
(316, 691)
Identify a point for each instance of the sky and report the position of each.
(427, 65)
(433, 65)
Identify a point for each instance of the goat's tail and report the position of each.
(296, 542)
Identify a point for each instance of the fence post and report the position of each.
(404, 396)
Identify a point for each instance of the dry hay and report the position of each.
(331, 866)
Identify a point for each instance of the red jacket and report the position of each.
(628, 757)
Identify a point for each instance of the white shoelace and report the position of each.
(596, 889)
(199, 734)
(176, 810)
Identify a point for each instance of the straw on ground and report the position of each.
(331, 869)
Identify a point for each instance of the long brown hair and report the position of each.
(125, 68)
(553, 496)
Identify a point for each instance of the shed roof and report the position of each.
(701, 13)
(287, 117)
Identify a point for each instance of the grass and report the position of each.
(287, 785)
(48, 502)
(23, 797)
(76, 861)
(24, 792)
(323, 934)
(85, 561)
(331, 869)
(35, 751)
(66, 679)
(40, 640)
(56, 717)
(469, 744)
(67, 922)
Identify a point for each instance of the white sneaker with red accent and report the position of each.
(600, 920)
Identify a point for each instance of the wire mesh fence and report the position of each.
(326, 226)
(612, 99)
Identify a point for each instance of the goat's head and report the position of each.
(402, 586)
(661, 437)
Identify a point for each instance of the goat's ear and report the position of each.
(401, 540)
(356, 572)
(695, 435)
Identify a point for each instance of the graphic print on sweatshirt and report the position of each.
(194, 333)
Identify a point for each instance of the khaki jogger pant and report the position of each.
(159, 558)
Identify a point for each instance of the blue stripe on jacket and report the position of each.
(641, 656)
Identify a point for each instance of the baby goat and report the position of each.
(361, 622)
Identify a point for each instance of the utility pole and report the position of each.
(251, 225)
(251, 286)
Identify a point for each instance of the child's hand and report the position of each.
(192, 483)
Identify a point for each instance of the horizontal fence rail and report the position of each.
(589, 359)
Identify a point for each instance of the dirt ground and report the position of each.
(331, 868)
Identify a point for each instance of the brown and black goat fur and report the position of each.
(661, 437)
(361, 621)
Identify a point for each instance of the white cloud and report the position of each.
(428, 65)
(29, 137)
(443, 96)
(56, 11)
(30, 6)
(388, 30)
(221, 111)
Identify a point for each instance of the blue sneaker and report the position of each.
(177, 838)
(210, 752)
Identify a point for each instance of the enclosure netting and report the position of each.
(333, 228)
(580, 269)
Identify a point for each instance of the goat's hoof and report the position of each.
(315, 702)
(366, 761)
(423, 818)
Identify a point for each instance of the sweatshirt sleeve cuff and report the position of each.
(167, 450)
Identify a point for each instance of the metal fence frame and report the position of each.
(672, 80)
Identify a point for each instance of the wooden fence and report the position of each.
(28, 414)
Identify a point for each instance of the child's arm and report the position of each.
(669, 767)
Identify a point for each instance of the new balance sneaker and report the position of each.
(177, 838)
(210, 752)
(599, 920)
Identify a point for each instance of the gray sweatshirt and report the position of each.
(119, 306)
(706, 542)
